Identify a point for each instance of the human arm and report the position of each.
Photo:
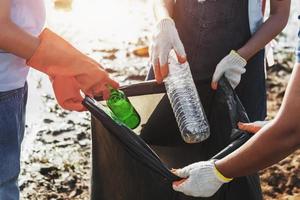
(233, 65)
(279, 15)
(12, 38)
(269, 145)
(55, 57)
(273, 142)
(165, 38)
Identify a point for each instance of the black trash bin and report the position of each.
(134, 165)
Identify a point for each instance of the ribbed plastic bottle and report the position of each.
(185, 102)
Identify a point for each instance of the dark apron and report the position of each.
(209, 31)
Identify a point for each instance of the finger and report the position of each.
(157, 72)
(179, 49)
(153, 55)
(74, 105)
(164, 67)
(87, 90)
(164, 70)
(113, 83)
(106, 94)
(216, 77)
(183, 187)
(67, 93)
(178, 183)
(181, 59)
(182, 173)
(249, 127)
(214, 85)
(163, 57)
(101, 89)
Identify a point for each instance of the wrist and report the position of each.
(219, 173)
(244, 53)
(221, 168)
(237, 58)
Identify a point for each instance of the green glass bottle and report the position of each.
(121, 107)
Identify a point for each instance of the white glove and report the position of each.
(233, 66)
(165, 38)
(203, 179)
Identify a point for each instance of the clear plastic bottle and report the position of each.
(185, 101)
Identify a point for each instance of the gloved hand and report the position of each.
(67, 93)
(253, 127)
(202, 179)
(233, 66)
(56, 57)
(165, 38)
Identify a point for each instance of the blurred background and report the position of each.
(116, 33)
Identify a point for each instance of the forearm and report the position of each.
(16, 41)
(163, 9)
(268, 147)
(269, 30)
(272, 143)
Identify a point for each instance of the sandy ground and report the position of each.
(56, 151)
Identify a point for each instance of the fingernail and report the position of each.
(182, 59)
(241, 125)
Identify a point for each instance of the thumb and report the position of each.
(252, 127)
(113, 83)
(182, 186)
(106, 93)
(216, 77)
(178, 183)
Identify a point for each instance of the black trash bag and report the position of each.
(126, 168)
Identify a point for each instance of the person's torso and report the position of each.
(210, 29)
(30, 16)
